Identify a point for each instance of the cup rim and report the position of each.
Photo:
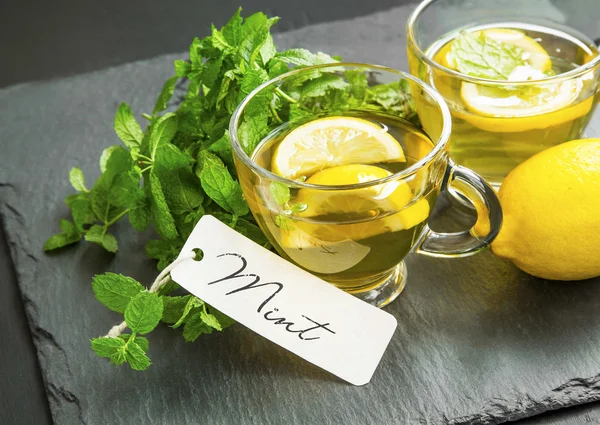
(438, 149)
(410, 24)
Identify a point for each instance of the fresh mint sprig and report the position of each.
(180, 167)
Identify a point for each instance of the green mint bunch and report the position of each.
(170, 174)
(180, 167)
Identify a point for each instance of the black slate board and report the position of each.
(478, 341)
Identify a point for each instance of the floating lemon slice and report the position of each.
(329, 142)
(525, 102)
(359, 204)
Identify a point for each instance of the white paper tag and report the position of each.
(284, 303)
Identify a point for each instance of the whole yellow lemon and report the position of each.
(551, 205)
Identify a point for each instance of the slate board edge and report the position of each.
(59, 397)
(64, 404)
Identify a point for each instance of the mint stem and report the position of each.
(285, 95)
(139, 155)
(275, 115)
(114, 220)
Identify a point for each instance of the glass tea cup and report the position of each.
(501, 117)
(345, 214)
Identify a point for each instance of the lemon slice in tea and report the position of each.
(362, 206)
(360, 203)
(525, 108)
(524, 102)
(333, 141)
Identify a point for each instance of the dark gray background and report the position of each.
(41, 40)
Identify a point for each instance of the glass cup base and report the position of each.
(385, 290)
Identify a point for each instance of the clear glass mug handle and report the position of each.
(489, 217)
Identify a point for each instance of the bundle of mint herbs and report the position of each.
(181, 167)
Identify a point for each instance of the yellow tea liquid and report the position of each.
(350, 238)
(494, 144)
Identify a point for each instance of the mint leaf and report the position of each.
(283, 222)
(276, 68)
(139, 340)
(125, 191)
(109, 243)
(220, 186)
(280, 193)
(126, 127)
(224, 320)
(297, 113)
(115, 291)
(163, 132)
(161, 215)
(268, 50)
(143, 312)
(173, 168)
(136, 356)
(182, 68)
(251, 131)
(192, 302)
(483, 57)
(232, 31)
(77, 180)
(69, 236)
(252, 79)
(119, 357)
(207, 158)
(225, 90)
(81, 210)
(303, 57)
(164, 251)
(106, 153)
(98, 234)
(173, 308)
(95, 234)
(112, 348)
(222, 148)
(253, 22)
(299, 207)
(300, 57)
(101, 202)
(195, 56)
(210, 320)
(255, 37)
(219, 41)
(323, 85)
(211, 70)
(194, 327)
(165, 95)
(139, 215)
(358, 83)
